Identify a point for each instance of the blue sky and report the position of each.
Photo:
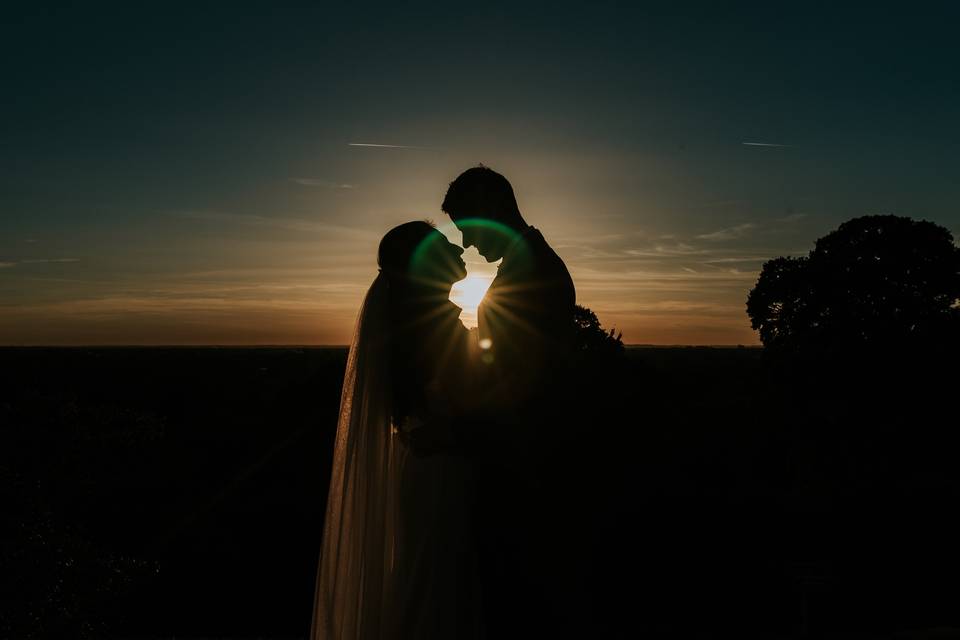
(187, 175)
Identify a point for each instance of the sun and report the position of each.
(468, 293)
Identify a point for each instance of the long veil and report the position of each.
(356, 581)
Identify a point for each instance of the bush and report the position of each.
(591, 339)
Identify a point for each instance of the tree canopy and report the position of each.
(876, 281)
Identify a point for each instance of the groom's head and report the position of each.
(481, 204)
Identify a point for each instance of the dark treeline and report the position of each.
(181, 491)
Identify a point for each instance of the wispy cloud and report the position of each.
(736, 260)
(730, 233)
(793, 217)
(386, 146)
(291, 224)
(664, 250)
(669, 307)
(764, 144)
(717, 204)
(614, 280)
(12, 263)
(577, 241)
(128, 305)
(327, 184)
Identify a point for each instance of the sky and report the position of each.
(197, 174)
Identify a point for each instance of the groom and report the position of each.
(526, 335)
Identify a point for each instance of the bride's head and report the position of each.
(420, 260)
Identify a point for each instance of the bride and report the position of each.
(398, 556)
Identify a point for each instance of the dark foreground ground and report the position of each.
(180, 492)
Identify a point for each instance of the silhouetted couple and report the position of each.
(434, 523)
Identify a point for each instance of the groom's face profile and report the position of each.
(481, 203)
(471, 236)
(483, 233)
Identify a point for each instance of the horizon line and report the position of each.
(651, 345)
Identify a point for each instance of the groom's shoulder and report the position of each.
(539, 248)
(549, 264)
(533, 257)
(543, 248)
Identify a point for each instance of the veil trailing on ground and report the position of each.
(356, 592)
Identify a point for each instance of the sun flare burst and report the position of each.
(468, 293)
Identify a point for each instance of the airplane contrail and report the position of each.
(383, 146)
(764, 144)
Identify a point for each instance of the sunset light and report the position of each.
(663, 183)
(468, 293)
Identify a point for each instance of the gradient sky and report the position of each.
(187, 176)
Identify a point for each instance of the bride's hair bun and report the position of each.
(398, 246)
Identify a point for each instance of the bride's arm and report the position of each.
(450, 399)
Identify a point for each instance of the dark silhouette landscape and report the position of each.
(180, 492)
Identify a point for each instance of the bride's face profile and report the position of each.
(437, 261)
(418, 255)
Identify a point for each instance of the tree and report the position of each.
(876, 282)
(590, 336)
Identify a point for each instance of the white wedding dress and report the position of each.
(398, 557)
